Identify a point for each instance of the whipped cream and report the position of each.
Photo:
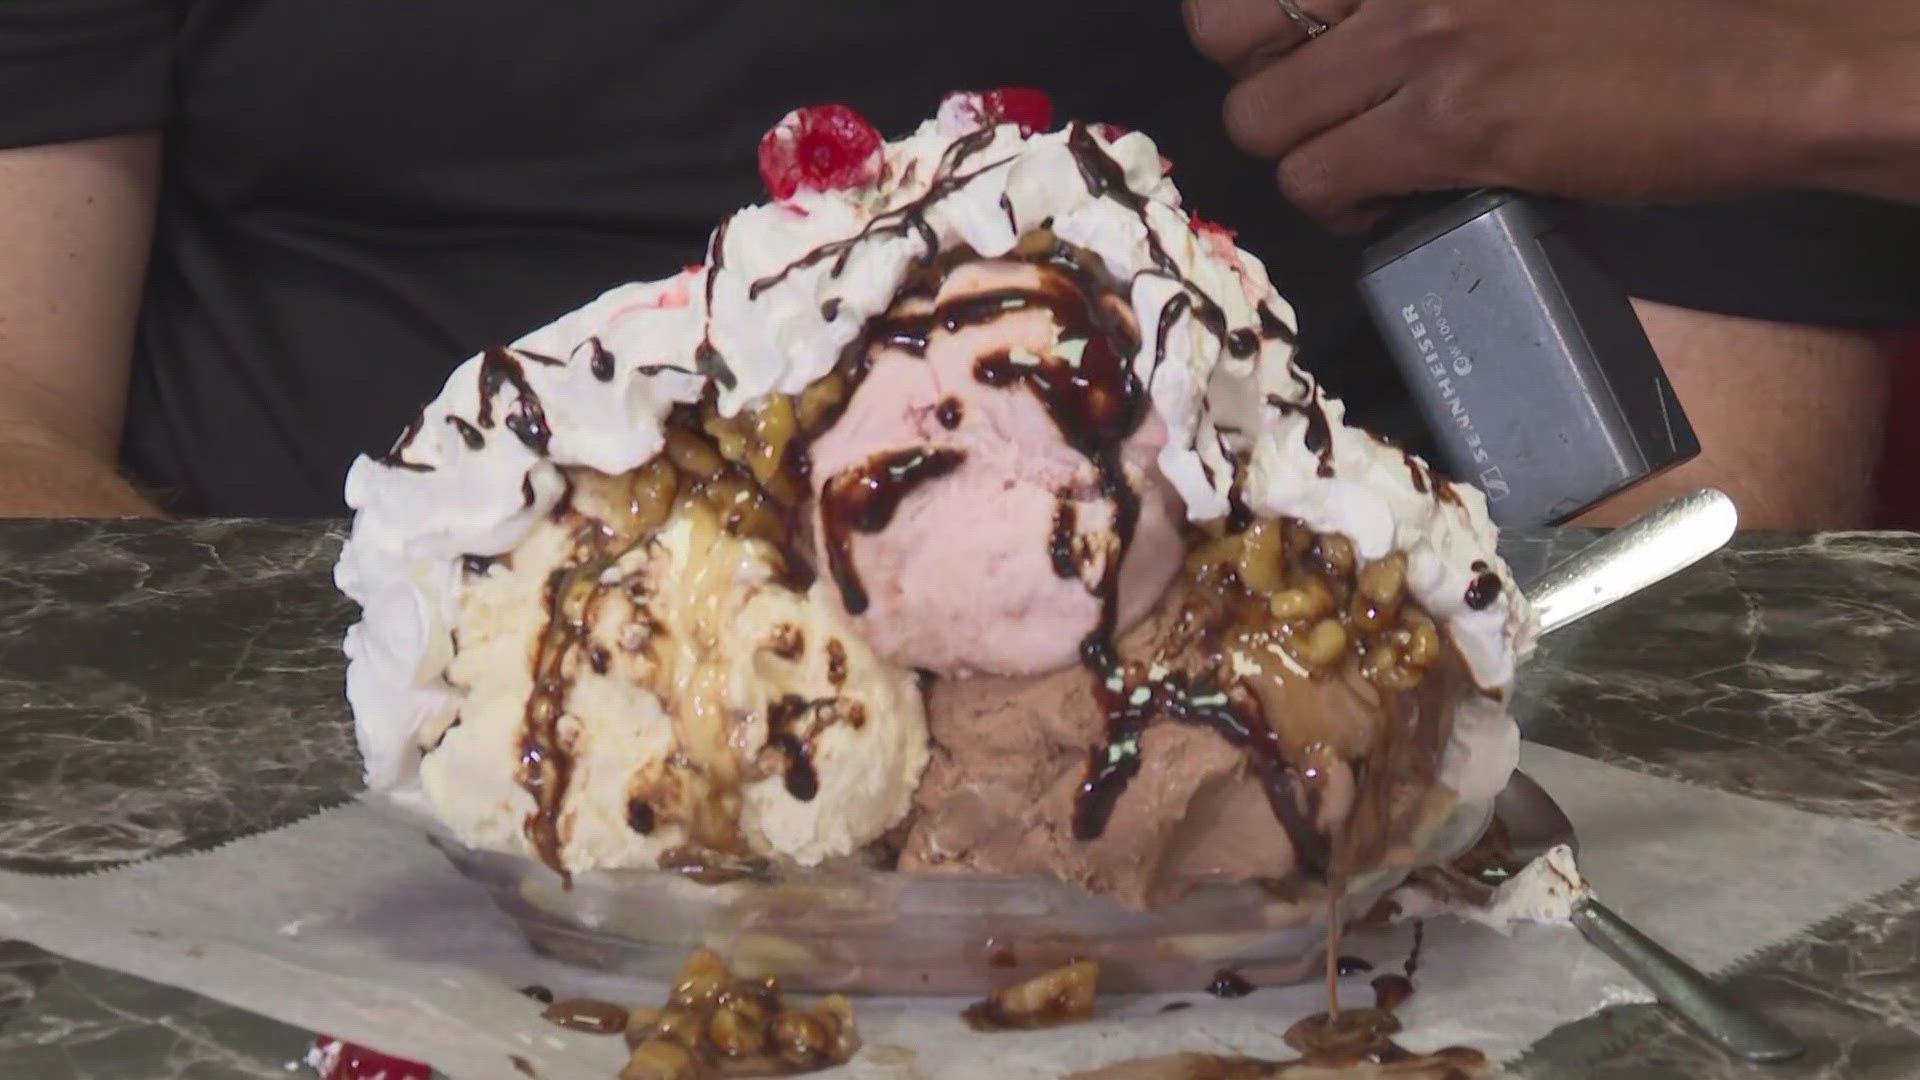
(785, 288)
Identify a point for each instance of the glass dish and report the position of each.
(885, 932)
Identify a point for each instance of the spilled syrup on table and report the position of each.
(589, 1015)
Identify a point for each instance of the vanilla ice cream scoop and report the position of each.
(685, 703)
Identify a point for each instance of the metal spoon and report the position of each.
(1535, 823)
(1659, 544)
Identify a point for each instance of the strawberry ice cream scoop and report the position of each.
(970, 506)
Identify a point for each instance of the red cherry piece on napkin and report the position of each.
(824, 147)
(1109, 132)
(346, 1061)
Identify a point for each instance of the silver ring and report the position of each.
(1308, 23)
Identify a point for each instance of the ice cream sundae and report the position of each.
(962, 512)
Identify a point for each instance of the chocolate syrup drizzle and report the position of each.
(864, 499)
(909, 218)
(393, 459)
(1066, 525)
(546, 765)
(1483, 591)
(783, 716)
(599, 360)
(707, 359)
(468, 433)
(528, 420)
(1319, 437)
(1271, 326)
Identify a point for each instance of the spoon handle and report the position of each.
(1650, 549)
(1682, 988)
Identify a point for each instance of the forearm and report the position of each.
(1790, 419)
(1863, 125)
(44, 477)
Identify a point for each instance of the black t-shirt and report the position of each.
(358, 195)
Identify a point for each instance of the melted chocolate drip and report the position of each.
(949, 413)
(599, 360)
(1319, 437)
(1060, 543)
(1242, 344)
(830, 310)
(478, 564)
(1013, 221)
(1484, 590)
(538, 993)
(1351, 965)
(1336, 1039)
(864, 499)
(1229, 984)
(540, 358)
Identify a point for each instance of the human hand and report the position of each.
(1608, 100)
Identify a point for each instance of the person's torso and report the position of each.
(354, 203)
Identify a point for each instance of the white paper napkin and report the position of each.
(351, 925)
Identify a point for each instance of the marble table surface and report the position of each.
(166, 687)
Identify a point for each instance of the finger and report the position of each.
(1341, 74)
(1238, 34)
(1346, 176)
